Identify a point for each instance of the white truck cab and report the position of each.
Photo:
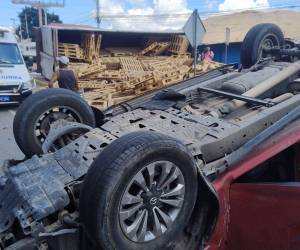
(15, 81)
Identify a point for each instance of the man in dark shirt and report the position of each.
(65, 77)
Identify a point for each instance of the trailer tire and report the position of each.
(265, 34)
(61, 103)
(115, 173)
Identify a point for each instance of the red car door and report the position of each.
(265, 206)
(259, 198)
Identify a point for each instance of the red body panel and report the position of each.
(264, 216)
(223, 235)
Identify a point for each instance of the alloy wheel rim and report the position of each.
(152, 201)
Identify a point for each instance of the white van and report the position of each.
(15, 81)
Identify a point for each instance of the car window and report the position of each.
(280, 168)
(10, 54)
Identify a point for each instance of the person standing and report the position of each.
(207, 55)
(66, 78)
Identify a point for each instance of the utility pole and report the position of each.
(196, 27)
(46, 16)
(98, 19)
(40, 15)
(227, 42)
(26, 25)
(40, 5)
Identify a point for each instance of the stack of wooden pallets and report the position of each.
(120, 74)
(91, 45)
(118, 79)
(73, 51)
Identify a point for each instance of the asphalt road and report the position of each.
(8, 146)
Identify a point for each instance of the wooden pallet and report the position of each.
(92, 95)
(159, 65)
(160, 48)
(131, 64)
(121, 52)
(155, 49)
(70, 50)
(111, 63)
(87, 84)
(91, 69)
(68, 46)
(171, 79)
(135, 75)
(100, 104)
(116, 75)
(98, 45)
(78, 67)
(148, 49)
(183, 70)
(204, 67)
(91, 44)
(179, 45)
(88, 43)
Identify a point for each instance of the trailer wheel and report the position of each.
(265, 35)
(35, 115)
(139, 193)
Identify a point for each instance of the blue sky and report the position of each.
(79, 11)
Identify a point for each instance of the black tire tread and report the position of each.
(250, 44)
(100, 180)
(30, 107)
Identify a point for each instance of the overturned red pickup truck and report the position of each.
(209, 163)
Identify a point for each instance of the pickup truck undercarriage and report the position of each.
(211, 116)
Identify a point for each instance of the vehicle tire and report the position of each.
(261, 35)
(117, 208)
(34, 116)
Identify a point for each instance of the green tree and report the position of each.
(33, 21)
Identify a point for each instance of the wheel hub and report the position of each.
(152, 201)
(43, 123)
(267, 42)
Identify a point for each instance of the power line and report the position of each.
(171, 17)
(187, 14)
(98, 19)
(124, 16)
(40, 4)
